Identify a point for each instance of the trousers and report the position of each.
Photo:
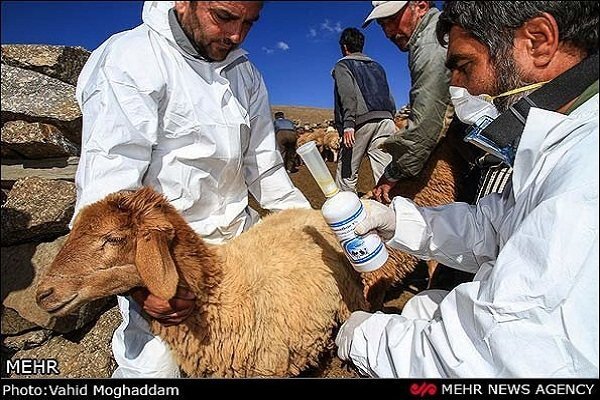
(368, 138)
(138, 353)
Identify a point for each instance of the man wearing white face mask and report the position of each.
(532, 309)
(473, 109)
(175, 104)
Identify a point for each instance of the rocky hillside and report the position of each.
(312, 116)
(40, 143)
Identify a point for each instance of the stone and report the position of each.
(37, 209)
(49, 168)
(34, 97)
(60, 62)
(85, 354)
(21, 268)
(27, 340)
(36, 140)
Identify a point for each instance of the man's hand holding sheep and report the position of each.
(168, 313)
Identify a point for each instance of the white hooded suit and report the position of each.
(199, 132)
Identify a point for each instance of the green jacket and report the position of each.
(429, 102)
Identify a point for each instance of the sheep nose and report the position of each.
(43, 294)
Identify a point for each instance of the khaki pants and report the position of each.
(368, 137)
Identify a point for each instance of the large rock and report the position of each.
(12, 322)
(37, 209)
(28, 340)
(7, 153)
(34, 97)
(85, 354)
(60, 62)
(22, 266)
(36, 140)
(49, 168)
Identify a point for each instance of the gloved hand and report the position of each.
(380, 218)
(343, 340)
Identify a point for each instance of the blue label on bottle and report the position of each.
(359, 251)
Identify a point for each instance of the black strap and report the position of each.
(506, 130)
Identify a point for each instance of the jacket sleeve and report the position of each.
(263, 167)
(459, 235)
(346, 90)
(542, 288)
(430, 102)
(120, 118)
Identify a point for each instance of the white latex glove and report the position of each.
(343, 340)
(380, 218)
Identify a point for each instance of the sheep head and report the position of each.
(116, 244)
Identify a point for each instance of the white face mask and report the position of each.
(470, 109)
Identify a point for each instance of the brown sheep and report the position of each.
(331, 144)
(318, 135)
(268, 301)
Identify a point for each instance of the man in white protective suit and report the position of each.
(532, 308)
(175, 104)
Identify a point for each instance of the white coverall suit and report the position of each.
(532, 309)
(199, 132)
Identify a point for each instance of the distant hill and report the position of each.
(307, 115)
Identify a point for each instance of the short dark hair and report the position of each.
(353, 39)
(493, 23)
(279, 114)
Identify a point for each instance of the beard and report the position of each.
(508, 77)
(211, 50)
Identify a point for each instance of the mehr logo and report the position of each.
(27, 366)
(423, 389)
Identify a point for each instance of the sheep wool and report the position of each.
(268, 301)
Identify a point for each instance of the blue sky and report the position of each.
(294, 45)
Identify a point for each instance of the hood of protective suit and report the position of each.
(157, 113)
(154, 14)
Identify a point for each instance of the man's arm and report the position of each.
(459, 235)
(346, 90)
(430, 102)
(120, 119)
(263, 166)
(534, 292)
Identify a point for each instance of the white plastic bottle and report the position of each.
(343, 211)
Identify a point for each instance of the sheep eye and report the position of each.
(114, 239)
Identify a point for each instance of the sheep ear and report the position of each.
(155, 264)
